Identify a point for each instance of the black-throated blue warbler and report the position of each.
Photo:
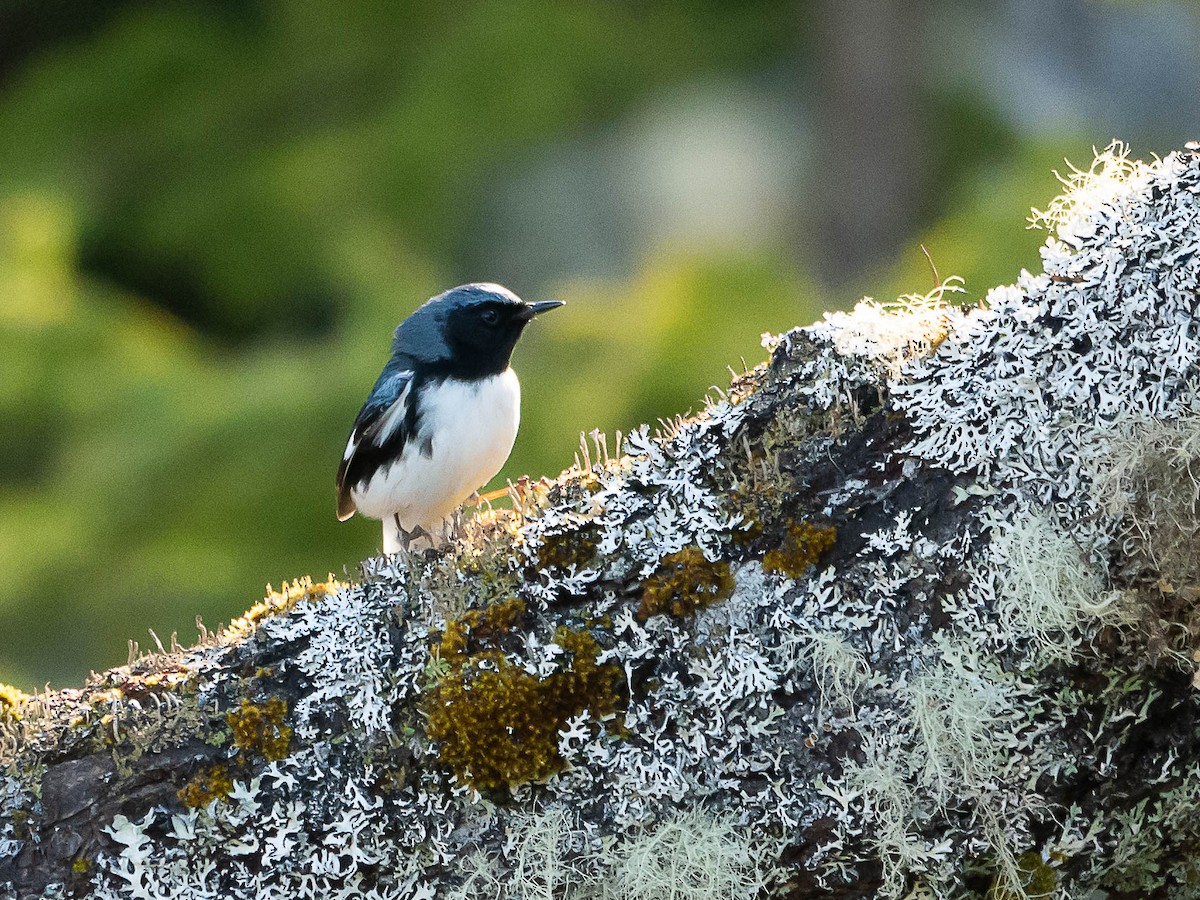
(442, 417)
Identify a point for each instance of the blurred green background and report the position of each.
(213, 213)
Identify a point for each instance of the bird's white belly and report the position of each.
(470, 427)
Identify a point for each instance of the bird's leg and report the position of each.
(395, 538)
(454, 527)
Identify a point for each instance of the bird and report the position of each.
(442, 417)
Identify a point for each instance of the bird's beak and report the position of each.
(534, 309)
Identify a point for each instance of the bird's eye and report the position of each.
(490, 317)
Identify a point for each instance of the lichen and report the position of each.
(749, 528)
(1050, 593)
(276, 603)
(803, 544)
(1146, 480)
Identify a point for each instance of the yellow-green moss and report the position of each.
(803, 544)
(1039, 880)
(497, 725)
(277, 603)
(260, 729)
(81, 866)
(684, 582)
(212, 783)
(10, 699)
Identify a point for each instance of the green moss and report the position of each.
(259, 728)
(684, 582)
(497, 725)
(1039, 880)
(212, 783)
(803, 544)
(81, 866)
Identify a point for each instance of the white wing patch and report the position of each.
(392, 418)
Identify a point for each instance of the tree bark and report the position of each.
(911, 612)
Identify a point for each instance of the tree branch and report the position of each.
(912, 612)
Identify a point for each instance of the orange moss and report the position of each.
(685, 582)
(803, 544)
(213, 783)
(260, 728)
(496, 724)
(480, 626)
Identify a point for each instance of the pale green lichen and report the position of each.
(1148, 480)
(839, 669)
(1049, 591)
(691, 856)
(886, 791)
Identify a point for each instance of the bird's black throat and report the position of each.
(481, 338)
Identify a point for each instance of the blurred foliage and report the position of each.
(211, 217)
(213, 214)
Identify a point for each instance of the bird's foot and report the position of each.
(397, 538)
(413, 536)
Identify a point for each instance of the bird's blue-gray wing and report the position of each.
(380, 431)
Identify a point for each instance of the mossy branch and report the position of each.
(913, 612)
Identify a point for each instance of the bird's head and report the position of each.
(470, 330)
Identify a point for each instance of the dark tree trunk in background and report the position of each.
(871, 132)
